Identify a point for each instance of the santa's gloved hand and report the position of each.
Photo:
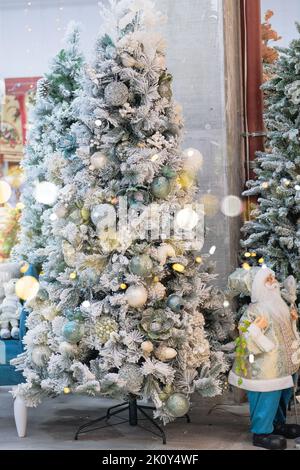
(294, 313)
(261, 322)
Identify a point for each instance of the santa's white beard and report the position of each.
(266, 296)
(273, 304)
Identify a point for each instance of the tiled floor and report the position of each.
(52, 426)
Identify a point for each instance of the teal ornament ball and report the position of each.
(67, 145)
(73, 331)
(69, 314)
(141, 265)
(111, 52)
(78, 314)
(175, 303)
(169, 172)
(160, 187)
(178, 405)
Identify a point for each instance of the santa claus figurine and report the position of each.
(267, 359)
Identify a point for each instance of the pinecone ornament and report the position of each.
(43, 88)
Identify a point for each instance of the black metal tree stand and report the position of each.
(133, 418)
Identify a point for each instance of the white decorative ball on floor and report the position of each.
(136, 296)
(40, 355)
(116, 94)
(46, 193)
(98, 160)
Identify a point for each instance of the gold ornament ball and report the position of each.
(147, 347)
(85, 214)
(27, 287)
(186, 180)
(246, 266)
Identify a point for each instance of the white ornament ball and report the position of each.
(60, 211)
(98, 160)
(46, 193)
(40, 355)
(49, 313)
(136, 296)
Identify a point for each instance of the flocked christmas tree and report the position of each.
(120, 312)
(274, 232)
(50, 120)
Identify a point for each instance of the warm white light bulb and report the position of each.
(53, 217)
(212, 250)
(86, 304)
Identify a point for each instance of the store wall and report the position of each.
(206, 82)
(285, 16)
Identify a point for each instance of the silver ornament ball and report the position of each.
(100, 212)
(178, 405)
(116, 94)
(141, 265)
(98, 160)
